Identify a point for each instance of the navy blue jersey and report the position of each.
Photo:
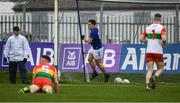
(96, 41)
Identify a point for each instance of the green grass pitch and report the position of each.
(96, 91)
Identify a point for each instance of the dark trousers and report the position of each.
(13, 69)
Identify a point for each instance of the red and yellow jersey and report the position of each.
(45, 71)
(153, 34)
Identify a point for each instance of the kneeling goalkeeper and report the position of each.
(43, 75)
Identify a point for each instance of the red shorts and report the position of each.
(42, 82)
(154, 57)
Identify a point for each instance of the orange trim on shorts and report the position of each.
(154, 57)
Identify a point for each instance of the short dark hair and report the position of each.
(157, 15)
(46, 57)
(16, 28)
(92, 21)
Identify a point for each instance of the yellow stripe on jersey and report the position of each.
(43, 75)
(49, 71)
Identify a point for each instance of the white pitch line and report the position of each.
(115, 85)
(75, 85)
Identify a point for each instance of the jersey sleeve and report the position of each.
(93, 33)
(144, 32)
(163, 31)
(55, 72)
(34, 70)
(7, 48)
(26, 48)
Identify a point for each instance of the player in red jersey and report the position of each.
(43, 75)
(156, 40)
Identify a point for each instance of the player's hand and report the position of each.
(5, 59)
(82, 37)
(145, 41)
(25, 60)
(163, 44)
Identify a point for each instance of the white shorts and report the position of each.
(98, 54)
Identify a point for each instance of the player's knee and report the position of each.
(160, 66)
(160, 69)
(148, 76)
(33, 88)
(90, 60)
(98, 64)
(32, 91)
(150, 67)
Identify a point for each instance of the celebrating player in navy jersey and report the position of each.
(96, 52)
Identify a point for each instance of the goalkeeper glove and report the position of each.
(25, 60)
(6, 60)
(82, 37)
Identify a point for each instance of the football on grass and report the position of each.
(118, 80)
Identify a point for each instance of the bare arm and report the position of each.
(56, 82)
(163, 37)
(143, 36)
(7, 48)
(143, 39)
(34, 72)
(26, 48)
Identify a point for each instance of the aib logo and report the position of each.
(71, 58)
(71, 55)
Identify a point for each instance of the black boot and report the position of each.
(106, 77)
(94, 75)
